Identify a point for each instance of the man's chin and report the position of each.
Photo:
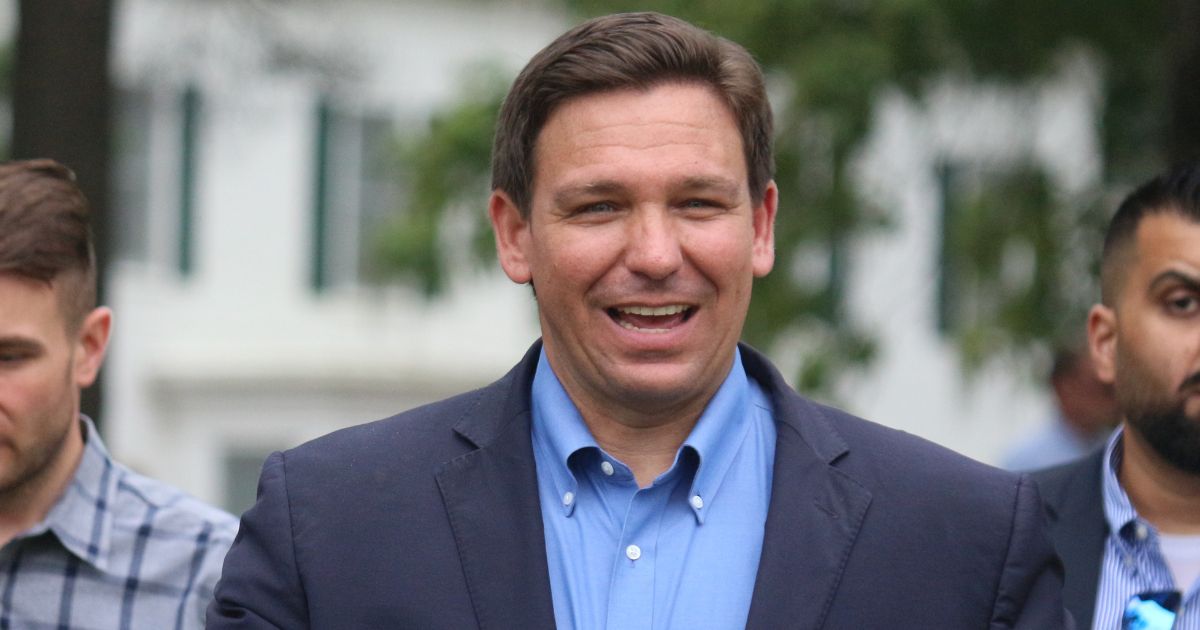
(661, 389)
(1173, 433)
(656, 391)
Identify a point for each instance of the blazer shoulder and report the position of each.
(871, 453)
(1069, 481)
(422, 435)
(891, 454)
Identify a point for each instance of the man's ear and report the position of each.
(1102, 341)
(764, 231)
(90, 343)
(512, 236)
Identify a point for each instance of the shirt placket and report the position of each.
(1143, 559)
(631, 593)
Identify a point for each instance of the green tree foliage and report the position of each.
(1008, 247)
(446, 169)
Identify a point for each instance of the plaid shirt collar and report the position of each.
(82, 518)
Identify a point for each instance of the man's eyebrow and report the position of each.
(719, 185)
(1174, 275)
(566, 195)
(16, 342)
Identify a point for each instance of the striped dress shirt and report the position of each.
(118, 550)
(1133, 562)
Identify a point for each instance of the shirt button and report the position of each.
(697, 502)
(633, 552)
(1141, 532)
(606, 468)
(568, 499)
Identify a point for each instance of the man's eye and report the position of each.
(598, 207)
(12, 358)
(1183, 304)
(703, 207)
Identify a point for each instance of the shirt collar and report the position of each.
(559, 432)
(1119, 512)
(82, 516)
(718, 435)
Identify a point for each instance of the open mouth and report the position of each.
(651, 319)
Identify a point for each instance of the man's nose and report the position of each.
(653, 248)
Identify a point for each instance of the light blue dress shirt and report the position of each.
(1133, 562)
(681, 553)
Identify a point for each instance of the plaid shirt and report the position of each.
(118, 550)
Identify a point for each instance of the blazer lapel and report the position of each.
(1079, 528)
(491, 499)
(815, 513)
(492, 502)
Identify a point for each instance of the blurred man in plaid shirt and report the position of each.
(84, 541)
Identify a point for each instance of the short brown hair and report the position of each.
(629, 50)
(45, 233)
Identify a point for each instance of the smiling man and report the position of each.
(1127, 519)
(639, 468)
(642, 240)
(84, 541)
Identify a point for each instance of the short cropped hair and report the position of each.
(45, 233)
(1177, 191)
(629, 51)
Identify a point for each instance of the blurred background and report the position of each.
(290, 200)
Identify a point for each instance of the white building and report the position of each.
(233, 111)
(223, 349)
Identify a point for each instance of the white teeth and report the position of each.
(629, 326)
(656, 311)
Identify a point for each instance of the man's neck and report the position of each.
(648, 449)
(642, 431)
(28, 502)
(1164, 495)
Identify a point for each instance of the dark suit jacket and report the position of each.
(1075, 514)
(431, 519)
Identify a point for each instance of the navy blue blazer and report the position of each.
(431, 519)
(1074, 498)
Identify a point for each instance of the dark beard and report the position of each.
(1172, 434)
(1161, 419)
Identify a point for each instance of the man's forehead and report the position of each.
(19, 291)
(1168, 234)
(590, 139)
(12, 281)
(1166, 247)
(27, 305)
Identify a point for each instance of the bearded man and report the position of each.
(1126, 520)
